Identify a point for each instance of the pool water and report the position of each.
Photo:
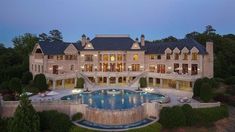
(114, 99)
(113, 127)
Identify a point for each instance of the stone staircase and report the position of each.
(88, 82)
(135, 82)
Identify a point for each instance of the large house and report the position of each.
(119, 60)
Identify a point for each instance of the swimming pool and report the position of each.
(114, 99)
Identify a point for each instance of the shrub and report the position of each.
(172, 117)
(230, 80)
(54, 121)
(40, 82)
(15, 85)
(209, 115)
(231, 90)
(206, 92)
(25, 117)
(189, 115)
(196, 88)
(80, 83)
(27, 77)
(77, 116)
(143, 82)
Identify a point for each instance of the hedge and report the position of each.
(186, 116)
(143, 82)
(80, 83)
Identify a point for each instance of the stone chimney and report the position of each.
(142, 40)
(209, 60)
(83, 40)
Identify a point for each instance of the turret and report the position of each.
(142, 40)
(83, 40)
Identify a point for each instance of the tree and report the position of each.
(55, 35)
(80, 83)
(15, 85)
(25, 117)
(197, 87)
(43, 37)
(206, 92)
(169, 39)
(192, 35)
(143, 82)
(27, 77)
(209, 30)
(189, 114)
(40, 82)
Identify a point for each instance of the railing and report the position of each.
(174, 76)
(195, 105)
(137, 79)
(87, 80)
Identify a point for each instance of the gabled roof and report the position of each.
(159, 48)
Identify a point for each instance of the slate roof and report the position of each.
(159, 48)
(121, 43)
(112, 43)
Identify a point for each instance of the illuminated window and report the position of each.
(50, 57)
(112, 57)
(88, 57)
(151, 57)
(136, 57)
(105, 57)
(185, 56)
(59, 57)
(89, 45)
(119, 57)
(194, 56)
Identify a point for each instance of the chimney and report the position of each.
(83, 40)
(209, 47)
(142, 41)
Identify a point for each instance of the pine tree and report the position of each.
(25, 117)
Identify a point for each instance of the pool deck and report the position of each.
(172, 93)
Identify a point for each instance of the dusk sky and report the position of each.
(154, 18)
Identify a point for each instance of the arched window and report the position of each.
(135, 57)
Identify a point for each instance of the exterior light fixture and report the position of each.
(82, 55)
(169, 67)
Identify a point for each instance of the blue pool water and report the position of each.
(113, 127)
(114, 99)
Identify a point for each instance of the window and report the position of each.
(88, 57)
(50, 57)
(184, 68)
(105, 57)
(194, 56)
(135, 67)
(42, 68)
(38, 68)
(159, 57)
(185, 56)
(70, 57)
(194, 69)
(160, 68)
(168, 56)
(88, 67)
(112, 58)
(59, 57)
(119, 57)
(72, 67)
(151, 68)
(176, 67)
(100, 57)
(136, 57)
(35, 67)
(151, 57)
(176, 56)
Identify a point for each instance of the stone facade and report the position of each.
(174, 68)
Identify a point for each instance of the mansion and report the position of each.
(118, 60)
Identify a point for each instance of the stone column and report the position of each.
(161, 83)
(108, 80)
(116, 80)
(75, 82)
(53, 84)
(63, 83)
(177, 85)
(154, 82)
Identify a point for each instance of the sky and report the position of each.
(155, 19)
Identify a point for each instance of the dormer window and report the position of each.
(168, 56)
(185, 56)
(194, 56)
(151, 57)
(176, 56)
